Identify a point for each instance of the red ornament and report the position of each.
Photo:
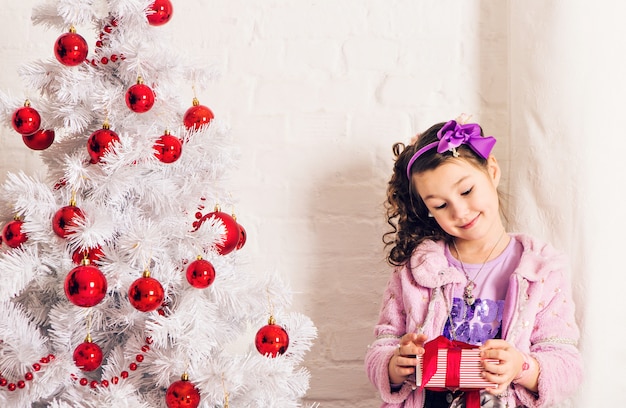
(243, 236)
(65, 218)
(26, 120)
(85, 285)
(168, 148)
(88, 355)
(271, 340)
(92, 255)
(160, 12)
(40, 140)
(71, 49)
(101, 142)
(12, 234)
(200, 273)
(146, 294)
(140, 97)
(197, 116)
(182, 394)
(232, 236)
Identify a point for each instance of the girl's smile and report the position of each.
(471, 223)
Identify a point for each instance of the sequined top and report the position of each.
(482, 320)
(538, 318)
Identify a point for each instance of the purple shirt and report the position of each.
(482, 321)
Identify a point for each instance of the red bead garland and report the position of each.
(123, 374)
(28, 376)
(104, 43)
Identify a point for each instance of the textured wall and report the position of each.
(567, 87)
(316, 93)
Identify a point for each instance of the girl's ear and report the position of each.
(493, 169)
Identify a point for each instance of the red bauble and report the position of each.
(271, 340)
(101, 142)
(197, 116)
(40, 140)
(182, 394)
(146, 294)
(85, 286)
(160, 12)
(168, 148)
(92, 255)
(65, 218)
(71, 49)
(231, 238)
(139, 97)
(12, 234)
(87, 356)
(243, 236)
(200, 273)
(26, 120)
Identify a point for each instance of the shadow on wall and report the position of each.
(348, 278)
(493, 80)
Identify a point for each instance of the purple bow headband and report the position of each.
(453, 135)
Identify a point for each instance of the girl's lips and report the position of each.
(470, 224)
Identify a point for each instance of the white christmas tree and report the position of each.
(122, 281)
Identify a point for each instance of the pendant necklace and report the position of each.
(468, 292)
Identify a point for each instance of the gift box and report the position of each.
(451, 365)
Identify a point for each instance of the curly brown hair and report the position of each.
(406, 212)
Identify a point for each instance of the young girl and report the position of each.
(460, 274)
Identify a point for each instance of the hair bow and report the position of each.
(453, 135)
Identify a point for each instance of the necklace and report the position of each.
(468, 292)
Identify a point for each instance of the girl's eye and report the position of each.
(440, 207)
(467, 192)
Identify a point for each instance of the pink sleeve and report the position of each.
(390, 328)
(553, 342)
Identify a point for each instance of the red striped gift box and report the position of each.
(469, 365)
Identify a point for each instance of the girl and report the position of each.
(460, 274)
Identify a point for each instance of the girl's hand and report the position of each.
(509, 367)
(403, 362)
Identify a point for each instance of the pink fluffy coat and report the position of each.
(538, 319)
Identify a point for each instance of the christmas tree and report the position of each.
(124, 281)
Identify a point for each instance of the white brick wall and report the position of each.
(316, 92)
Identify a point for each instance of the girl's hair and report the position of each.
(406, 212)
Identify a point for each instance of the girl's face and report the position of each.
(463, 198)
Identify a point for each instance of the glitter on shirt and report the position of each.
(474, 324)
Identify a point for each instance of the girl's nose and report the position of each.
(459, 210)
